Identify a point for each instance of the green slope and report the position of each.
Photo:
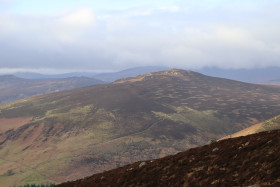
(268, 125)
(271, 124)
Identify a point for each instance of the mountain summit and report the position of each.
(175, 73)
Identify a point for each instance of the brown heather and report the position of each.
(242, 161)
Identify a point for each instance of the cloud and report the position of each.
(170, 8)
(81, 18)
(31, 70)
(8, 25)
(66, 24)
(184, 35)
(7, 2)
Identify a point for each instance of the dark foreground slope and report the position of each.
(13, 88)
(67, 135)
(243, 161)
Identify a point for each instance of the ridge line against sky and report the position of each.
(61, 36)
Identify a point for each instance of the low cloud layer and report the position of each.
(243, 34)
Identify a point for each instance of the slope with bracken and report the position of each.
(13, 88)
(244, 161)
(67, 135)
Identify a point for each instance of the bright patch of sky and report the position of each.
(51, 6)
(93, 35)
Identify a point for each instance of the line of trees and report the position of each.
(36, 185)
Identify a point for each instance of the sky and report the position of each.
(59, 36)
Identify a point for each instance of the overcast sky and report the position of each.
(55, 36)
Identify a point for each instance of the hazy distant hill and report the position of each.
(246, 161)
(67, 135)
(252, 75)
(132, 72)
(38, 76)
(275, 82)
(268, 75)
(13, 88)
(107, 77)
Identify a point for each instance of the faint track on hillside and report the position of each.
(118, 138)
(26, 166)
(136, 133)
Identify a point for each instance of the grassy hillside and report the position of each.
(67, 135)
(13, 88)
(244, 161)
(270, 124)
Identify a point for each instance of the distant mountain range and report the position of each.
(253, 75)
(245, 161)
(274, 82)
(38, 76)
(68, 135)
(132, 72)
(13, 88)
(268, 75)
(106, 77)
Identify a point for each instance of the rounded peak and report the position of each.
(184, 74)
(176, 71)
(179, 73)
(181, 70)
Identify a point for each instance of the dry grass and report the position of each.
(13, 123)
(247, 131)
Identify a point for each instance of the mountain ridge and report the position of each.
(268, 75)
